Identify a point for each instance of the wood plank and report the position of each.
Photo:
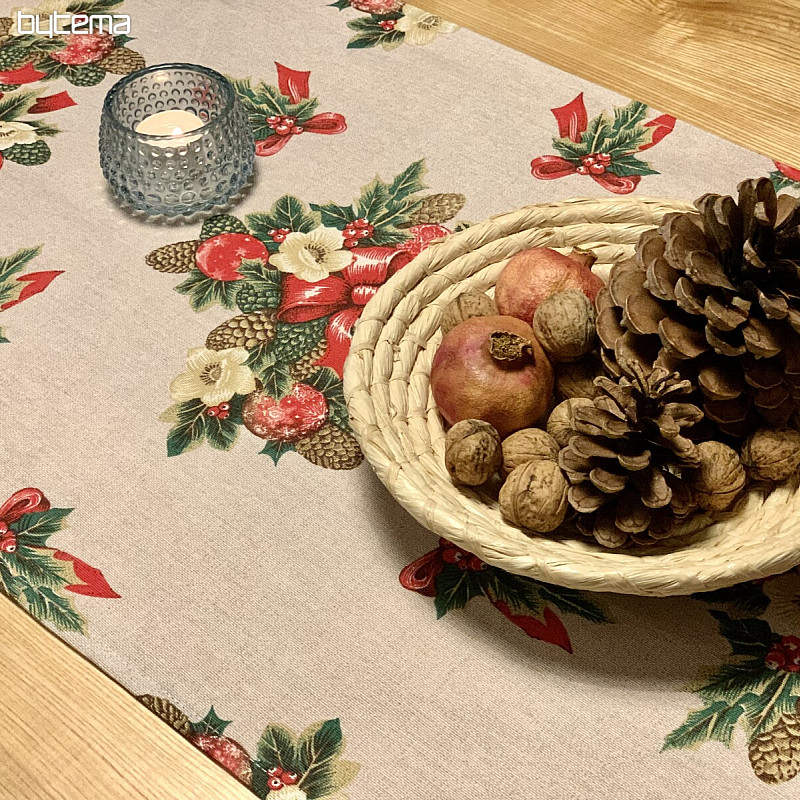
(70, 732)
(727, 66)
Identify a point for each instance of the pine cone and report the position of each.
(170, 713)
(296, 339)
(330, 447)
(437, 208)
(257, 296)
(11, 56)
(245, 330)
(29, 155)
(306, 366)
(775, 755)
(716, 295)
(85, 75)
(624, 463)
(222, 223)
(121, 61)
(6, 23)
(175, 257)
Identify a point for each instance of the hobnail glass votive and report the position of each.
(191, 167)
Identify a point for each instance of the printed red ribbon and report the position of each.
(21, 75)
(572, 121)
(26, 501)
(53, 102)
(294, 85)
(36, 282)
(790, 172)
(342, 296)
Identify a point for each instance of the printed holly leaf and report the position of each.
(333, 215)
(408, 182)
(43, 128)
(122, 40)
(627, 165)
(277, 747)
(627, 132)
(261, 359)
(731, 682)
(386, 235)
(781, 181)
(340, 4)
(455, 588)
(714, 722)
(36, 527)
(277, 449)
(749, 637)
(629, 116)
(15, 105)
(373, 199)
(287, 211)
(211, 723)
(222, 223)
(293, 340)
(276, 379)
(204, 292)
(747, 597)
(598, 130)
(572, 601)
(193, 426)
(374, 37)
(326, 380)
(317, 751)
(37, 567)
(764, 710)
(44, 604)
(260, 284)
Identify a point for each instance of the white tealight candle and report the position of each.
(171, 123)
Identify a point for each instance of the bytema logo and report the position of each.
(57, 24)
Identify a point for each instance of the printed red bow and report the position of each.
(342, 296)
(88, 580)
(572, 121)
(421, 575)
(33, 283)
(294, 85)
(27, 73)
(790, 172)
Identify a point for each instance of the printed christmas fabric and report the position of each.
(183, 499)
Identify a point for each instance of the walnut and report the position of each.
(564, 325)
(576, 378)
(561, 425)
(534, 496)
(529, 444)
(472, 452)
(719, 479)
(772, 454)
(472, 303)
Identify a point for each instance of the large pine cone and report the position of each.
(330, 447)
(122, 61)
(624, 464)
(169, 712)
(437, 208)
(775, 754)
(716, 296)
(305, 367)
(244, 330)
(174, 257)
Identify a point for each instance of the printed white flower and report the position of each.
(12, 133)
(291, 793)
(421, 27)
(214, 376)
(44, 12)
(312, 256)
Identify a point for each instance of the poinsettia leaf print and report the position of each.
(750, 637)
(748, 597)
(455, 588)
(317, 751)
(627, 165)
(204, 292)
(333, 215)
(779, 697)
(35, 528)
(572, 601)
(44, 604)
(211, 723)
(714, 722)
(275, 450)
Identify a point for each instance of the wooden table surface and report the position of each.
(729, 66)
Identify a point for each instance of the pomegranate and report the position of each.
(493, 369)
(221, 256)
(531, 276)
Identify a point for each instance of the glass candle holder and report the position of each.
(200, 161)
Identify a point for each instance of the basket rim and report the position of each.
(662, 572)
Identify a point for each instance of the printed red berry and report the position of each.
(604, 158)
(223, 414)
(360, 221)
(221, 256)
(297, 129)
(776, 659)
(588, 160)
(463, 564)
(790, 643)
(274, 772)
(582, 170)
(212, 411)
(365, 231)
(224, 406)
(387, 24)
(290, 778)
(475, 564)
(282, 129)
(273, 121)
(451, 555)
(8, 544)
(228, 753)
(275, 784)
(597, 169)
(351, 242)
(350, 231)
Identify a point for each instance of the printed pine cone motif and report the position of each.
(168, 712)
(775, 754)
(330, 447)
(175, 257)
(437, 208)
(245, 330)
(121, 61)
(716, 296)
(624, 463)
(306, 366)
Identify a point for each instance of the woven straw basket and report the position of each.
(392, 412)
